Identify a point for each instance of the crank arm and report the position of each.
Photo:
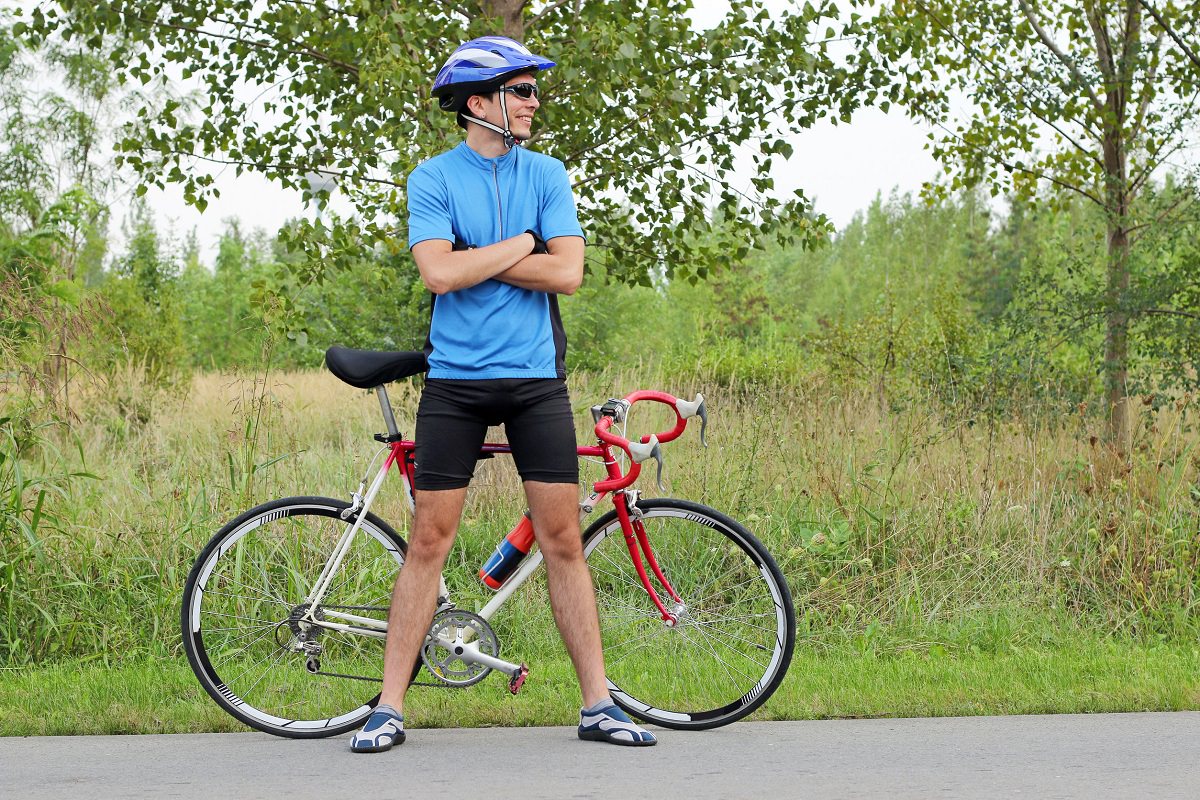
(470, 654)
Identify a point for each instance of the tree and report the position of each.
(1094, 99)
(648, 113)
(55, 172)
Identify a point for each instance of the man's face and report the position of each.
(520, 111)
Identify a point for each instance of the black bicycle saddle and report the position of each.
(367, 369)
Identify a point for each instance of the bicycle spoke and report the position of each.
(724, 664)
(647, 639)
(772, 631)
(264, 674)
(230, 655)
(728, 589)
(718, 636)
(265, 594)
(238, 616)
(717, 641)
(259, 599)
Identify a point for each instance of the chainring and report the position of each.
(450, 630)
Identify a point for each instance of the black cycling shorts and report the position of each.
(453, 417)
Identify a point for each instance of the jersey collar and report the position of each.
(499, 163)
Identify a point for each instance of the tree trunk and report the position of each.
(511, 14)
(1114, 65)
(1116, 340)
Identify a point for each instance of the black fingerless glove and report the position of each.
(460, 245)
(539, 244)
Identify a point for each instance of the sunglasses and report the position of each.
(521, 90)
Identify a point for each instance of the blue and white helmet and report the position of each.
(481, 66)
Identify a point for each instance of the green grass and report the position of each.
(940, 564)
(1079, 675)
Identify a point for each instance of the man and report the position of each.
(494, 233)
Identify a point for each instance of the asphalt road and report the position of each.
(1069, 756)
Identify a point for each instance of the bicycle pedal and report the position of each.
(515, 682)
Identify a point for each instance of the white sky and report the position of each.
(841, 168)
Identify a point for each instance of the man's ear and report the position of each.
(475, 105)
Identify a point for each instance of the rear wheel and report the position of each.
(244, 617)
(733, 642)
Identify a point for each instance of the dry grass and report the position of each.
(910, 530)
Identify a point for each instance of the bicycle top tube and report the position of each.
(612, 412)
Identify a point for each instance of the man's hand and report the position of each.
(558, 271)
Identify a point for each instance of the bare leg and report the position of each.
(415, 595)
(554, 509)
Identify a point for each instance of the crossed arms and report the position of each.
(511, 261)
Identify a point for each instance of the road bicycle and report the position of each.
(285, 609)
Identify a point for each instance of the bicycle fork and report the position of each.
(638, 544)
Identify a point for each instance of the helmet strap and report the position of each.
(506, 131)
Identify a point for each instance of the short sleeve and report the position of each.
(428, 207)
(558, 216)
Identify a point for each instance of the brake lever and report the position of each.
(694, 408)
(652, 449)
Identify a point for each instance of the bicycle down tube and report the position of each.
(638, 544)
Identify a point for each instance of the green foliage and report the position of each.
(648, 113)
(1088, 99)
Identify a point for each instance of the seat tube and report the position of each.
(385, 406)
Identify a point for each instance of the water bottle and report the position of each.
(509, 554)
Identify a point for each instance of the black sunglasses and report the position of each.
(521, 90)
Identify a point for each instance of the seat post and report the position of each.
(385, 405)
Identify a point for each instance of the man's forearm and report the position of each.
(445, 270)
(559, 271)
(543, 273)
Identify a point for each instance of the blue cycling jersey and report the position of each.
(492, 329)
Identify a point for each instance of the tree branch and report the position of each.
(1147, 90)
(1061, 56)
(283, 166)
(1007, 76)
(455, 8)
(1104, 57)
(1027, 171)
(1170, 312)
(268, 46)
(1155, 159)
(547, 10)
(1162, 23)
(1180, 206)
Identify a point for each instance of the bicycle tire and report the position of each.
(238, 624)
(733, 643)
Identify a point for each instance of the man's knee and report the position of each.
(561, 543)
(430, 540)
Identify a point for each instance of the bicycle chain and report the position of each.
(377, 680)
(436, 685)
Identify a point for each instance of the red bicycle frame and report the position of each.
(640, 551)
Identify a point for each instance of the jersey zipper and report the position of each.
(499, 207)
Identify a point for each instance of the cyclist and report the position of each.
(493, 230)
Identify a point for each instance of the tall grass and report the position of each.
(900, 530)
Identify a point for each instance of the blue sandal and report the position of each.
(611, 724)
(384, 728)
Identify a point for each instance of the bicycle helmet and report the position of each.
(481, 66)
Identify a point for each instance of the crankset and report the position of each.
(461, 649)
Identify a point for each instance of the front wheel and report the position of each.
(248, 632)
(733, 642)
